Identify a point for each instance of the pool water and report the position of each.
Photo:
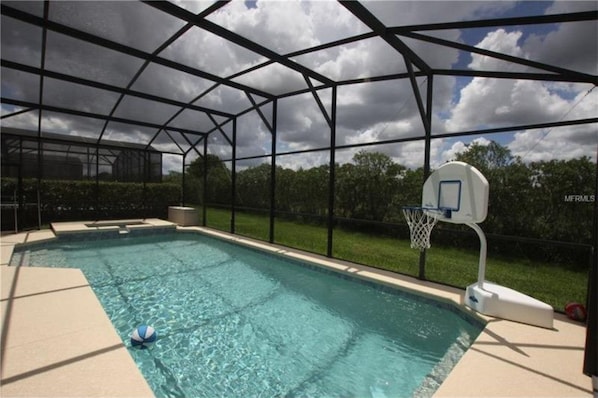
(236, 322)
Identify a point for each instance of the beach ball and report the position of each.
(576, 311)
(143, 337)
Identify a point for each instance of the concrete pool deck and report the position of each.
(58, 341)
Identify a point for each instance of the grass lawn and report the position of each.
(555, 284)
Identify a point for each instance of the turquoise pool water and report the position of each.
(235, 322)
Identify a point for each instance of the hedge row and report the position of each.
(86, 200)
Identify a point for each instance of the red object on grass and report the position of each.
(576, 311)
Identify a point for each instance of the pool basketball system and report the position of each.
(458, 193)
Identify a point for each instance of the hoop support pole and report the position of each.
(483, 253)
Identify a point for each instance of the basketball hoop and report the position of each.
(421, 221)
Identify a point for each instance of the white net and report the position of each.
(420, 221)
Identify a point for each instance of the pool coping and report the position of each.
(507, 359)
(57, 340)
(137, 224)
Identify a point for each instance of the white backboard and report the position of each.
(458, 189)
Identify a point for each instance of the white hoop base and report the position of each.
(502, 302)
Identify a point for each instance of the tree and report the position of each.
(367, 188)
(285, 189)
(408, 193)
(253, 186)
(312, 189)
(539, 199)
(509, 180)
(347, 197)
(486, 157)
(563, 194)
(218, 187)
(302, 191)
(173, 177)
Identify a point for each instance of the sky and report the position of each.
(365, 112)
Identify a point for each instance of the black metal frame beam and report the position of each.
(365, 16)
(273, 143)
(508, 129)
(332, 175)
(58, 109)
(258, 109)
(8, 115)
(65, 141)
(173, 140)
(254, 107)
(40, 149)
(235, 38)
(512, 75)
(427, 145)
(590, 362)
(567, 74)
(193, 146)
(233, 185)
(127, 50)
(219, 128)
(496, 22)
(320, 47)
(146, 63)
(579, 78)
(421, 137)
(109, 87)
(335, 43)
(319, 102)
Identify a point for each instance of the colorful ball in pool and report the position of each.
(143, 337)
(576, 311)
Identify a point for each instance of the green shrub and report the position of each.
(88, 200)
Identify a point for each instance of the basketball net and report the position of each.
(420, 224)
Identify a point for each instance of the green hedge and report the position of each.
(76, 200)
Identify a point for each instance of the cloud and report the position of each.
(274, 79)
(21, 42)
(366, 58)
(365, 112)
(172, 163)
(499, 41)
(74, 57)
(557, 143)
(287, 23)
(397, 13)
(206, 51)
(555, 48)
(136, 25)
(287, 26)
(253, 137)
(411, 154)
(303, 129)
(457, 147)
(566, 142)
(487, 103)
(20, 85)
(305, 161)
(193, 120)
(166, 82)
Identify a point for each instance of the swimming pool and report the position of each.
(237, 322)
